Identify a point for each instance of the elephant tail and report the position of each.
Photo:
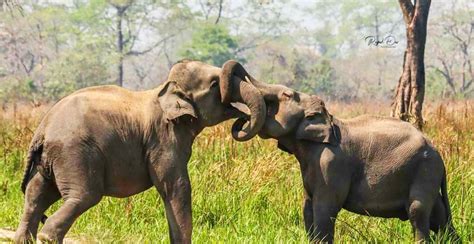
(444, 197)
(33, 158)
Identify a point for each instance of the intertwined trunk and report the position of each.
(410, 91)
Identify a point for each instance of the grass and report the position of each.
(247, 192)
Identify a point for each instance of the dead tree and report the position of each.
(410, 92)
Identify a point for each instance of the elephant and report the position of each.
(369, 165)
(110, 141)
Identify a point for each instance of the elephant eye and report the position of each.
(312, 116)
(214, 84)
(287, 94)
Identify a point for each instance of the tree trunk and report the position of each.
(219, 12)
(410, 92)
(120, 44)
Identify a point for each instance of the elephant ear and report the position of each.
(174, 103)
(317, 126)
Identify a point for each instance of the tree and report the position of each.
(300, 68)
(55, 49)
(409, 94)
(132, 19)
(453, 31)
(207, 7)
(121, 8)
(340, 33)
(346, 23)
(211, 44)
(132, 28)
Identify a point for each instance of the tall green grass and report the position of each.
(246, 192)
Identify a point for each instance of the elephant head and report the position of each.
(297, 115)
(204, 92)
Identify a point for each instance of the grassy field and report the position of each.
(246, 192)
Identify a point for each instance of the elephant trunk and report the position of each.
(268, 91)
(234, 87)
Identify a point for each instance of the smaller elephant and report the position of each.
(370, 165)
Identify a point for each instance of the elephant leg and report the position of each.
(324, 219)
(439, 220)
(419, 215)
(40, 194)
(175, 190)
(61, 221)
(308, 215)
(81, 185)
(423, 195)
(438, 217)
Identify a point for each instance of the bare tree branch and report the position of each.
(206, 10)
(168, 59)
(447, 76)
(219, 12)
(142, 71)
(253, 43)
(138, 53)
(120, 7)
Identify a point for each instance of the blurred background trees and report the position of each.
(212, 44)
(51, 48)
(452, 58)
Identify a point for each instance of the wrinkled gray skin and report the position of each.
(109, 141)
(369, 165)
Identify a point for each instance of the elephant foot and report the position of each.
(45, 238)
(23, 237)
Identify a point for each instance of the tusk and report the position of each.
(241, 107)
(247, 79)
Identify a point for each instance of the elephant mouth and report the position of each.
(242, 113)
(241, 107)
(237, 110)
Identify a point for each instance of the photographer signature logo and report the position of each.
(388, 41)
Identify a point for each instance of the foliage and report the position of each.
(320, 80)
(437, 87)
(48, 44)
(68, 53)
(14, 90)
(72, 71)
(346, 23)
(247, 192)
(452, 51)
(211, 44)
(299, 68)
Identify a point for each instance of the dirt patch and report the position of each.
(7, 235)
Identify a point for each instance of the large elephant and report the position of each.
(109, 141)
(370, 165)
